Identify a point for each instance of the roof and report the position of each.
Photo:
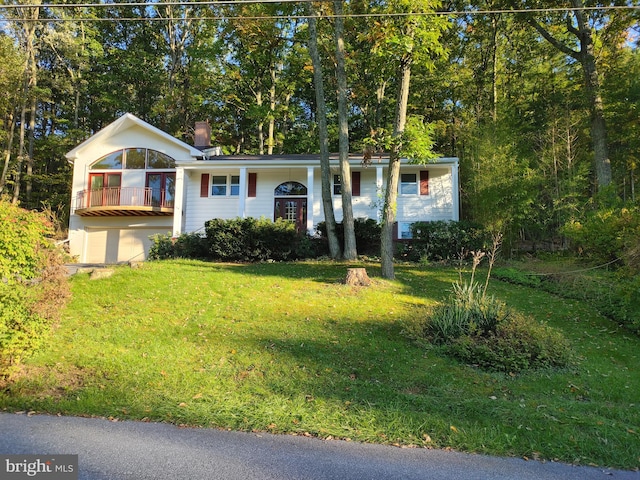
(123, 123)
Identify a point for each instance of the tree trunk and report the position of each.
(350, 248)
(357, 277)
(28, 94)
(260, 123)
(7, 153)
(321, 117)
(586, 57)
(272, 109)
(393, 174)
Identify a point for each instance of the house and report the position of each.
(132, 180)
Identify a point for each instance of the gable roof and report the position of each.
(123, 123)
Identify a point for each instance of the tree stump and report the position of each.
(357, 277)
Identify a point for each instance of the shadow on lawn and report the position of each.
(411, 277)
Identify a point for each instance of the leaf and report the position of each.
(453, 429)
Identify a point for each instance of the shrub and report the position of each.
(607, 233)
(469, 312)
(480, 330)
(446, 240)
(251, 239)
(516, 344)
(187, 245)
(367, 232)
(33, 284)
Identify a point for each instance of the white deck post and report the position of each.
(242, 198)
(178, 202)
(379, 192)
(454, 191)
(310, 200)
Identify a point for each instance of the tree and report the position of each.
(350, 250)
(10, 81)
(403, 41)
(323, 134)
(584, 30)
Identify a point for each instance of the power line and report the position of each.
(274, 17)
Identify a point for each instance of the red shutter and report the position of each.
(424, 182)
(355, 184)
(204, 185)
(253, 182)
(395, 230)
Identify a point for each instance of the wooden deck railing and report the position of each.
(123, 197)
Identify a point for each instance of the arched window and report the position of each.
(290, 189)
(133, 159)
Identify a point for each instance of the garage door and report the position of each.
(114, 245)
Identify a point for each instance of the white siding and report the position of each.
(438, 205)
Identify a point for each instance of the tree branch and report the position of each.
(552, 40)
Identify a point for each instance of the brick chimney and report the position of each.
(202, 136)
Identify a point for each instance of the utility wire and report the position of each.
(276, 17)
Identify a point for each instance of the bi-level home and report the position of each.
(131, 180)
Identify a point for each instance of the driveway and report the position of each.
(134, 450)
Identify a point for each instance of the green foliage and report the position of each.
(187, 245)
(517, 277)
(607, 233)
(33, 284)
(468, 312)
(445, 240)
(615, 294)
(515, 345)
(21, 331)
(23, 243)
(367, 232)
(251, 239)
(481, 330)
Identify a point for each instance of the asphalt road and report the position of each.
(134, 450)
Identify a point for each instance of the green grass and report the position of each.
(287, 348)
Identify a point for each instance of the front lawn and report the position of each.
(287, 348)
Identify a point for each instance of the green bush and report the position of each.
(186, 245)
(33, 284)
(366, 230)
(251, 239)
(516, 344)
(445, 240)
(480, 330)
(517, 277)
(469, 312)
(607, 234)
(22, 243)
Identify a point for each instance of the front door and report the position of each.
(293, 210)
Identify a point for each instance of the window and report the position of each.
(104, 189)
(337, 185)
(157, 159)
(355, 184)
(290, 188)
(235, 185)
(218, 185)
(404, 231)
(113, 161)
(162, 189)
(408, 184)
(223, 185)
(134, 159)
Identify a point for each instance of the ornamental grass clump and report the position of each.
(481, 330)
